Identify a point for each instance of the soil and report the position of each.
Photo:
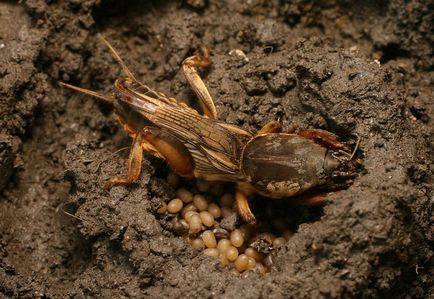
(362, 68)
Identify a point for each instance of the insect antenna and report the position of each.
(356, 162)
(115, 54)
(356, 147)
(108, 99)
(350, 157)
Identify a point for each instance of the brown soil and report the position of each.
(308, 63)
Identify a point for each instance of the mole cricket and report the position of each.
(270, 163)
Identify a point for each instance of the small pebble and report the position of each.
(215, 210)
(252, 264)
(198, 244)
(223, 245)
(202, 185)
(241, 263)
(231, 253)
(189, 214)
(227, 212)
(207, 218)
(268, 261)
(175, 206)
(237, 238)
(223, 259)
(172, 180)
(211, 252)
(239, 54)
(250, 252)
(184, 223)
(220, 233)
(279, 242)
(163, 208)
(180, 227)
(269, 237)
(261, 268)
(223, 239)
(230, 222)
(227, 200)
(200, 202)
(185, 195)
(189, 207)
(209, 239)
(195, 223)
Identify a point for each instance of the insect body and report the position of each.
(270, 163)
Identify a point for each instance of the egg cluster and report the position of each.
(201, 214)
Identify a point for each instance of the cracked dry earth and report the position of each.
(349, 67)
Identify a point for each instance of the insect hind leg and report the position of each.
(160, 144)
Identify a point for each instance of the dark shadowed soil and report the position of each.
(349, 67)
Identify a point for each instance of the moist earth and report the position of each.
(359, 69)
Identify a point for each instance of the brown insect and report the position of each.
(269, 163)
